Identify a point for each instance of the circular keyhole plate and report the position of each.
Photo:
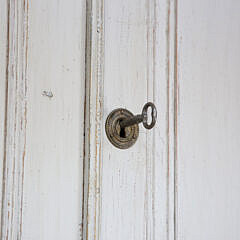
(121, 138)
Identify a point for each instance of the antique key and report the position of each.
(122, 126)
(142, 117)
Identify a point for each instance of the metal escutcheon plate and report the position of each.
(121, 138)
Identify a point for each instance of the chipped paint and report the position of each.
(48, 94)
(16, 121)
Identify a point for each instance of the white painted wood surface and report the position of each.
(208, 113)
(44, 69)
(3, 75)
(130, 192)
(180, 180)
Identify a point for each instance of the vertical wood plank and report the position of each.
(208, 109)
(130, 192)
(15, 146)
(93, 121)
(43, 165)
(3, 83)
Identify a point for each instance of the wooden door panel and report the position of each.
(66, 66)
(43, 159)
(208, 110)
(129, 64)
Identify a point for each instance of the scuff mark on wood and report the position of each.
(48, 94)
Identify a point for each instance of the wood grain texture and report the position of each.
(3, 83)
(208, 106)
(43, 161)
(16, 119)
(93, 118)
(180, 180)
(130, 193)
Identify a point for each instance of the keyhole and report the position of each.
(122, 132)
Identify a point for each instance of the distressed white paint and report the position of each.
(208, 113)
(129, 52)
(3, 76)
(42, 187)
(93, 117)
(16, 118)
(171, 183)
(180, 180)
